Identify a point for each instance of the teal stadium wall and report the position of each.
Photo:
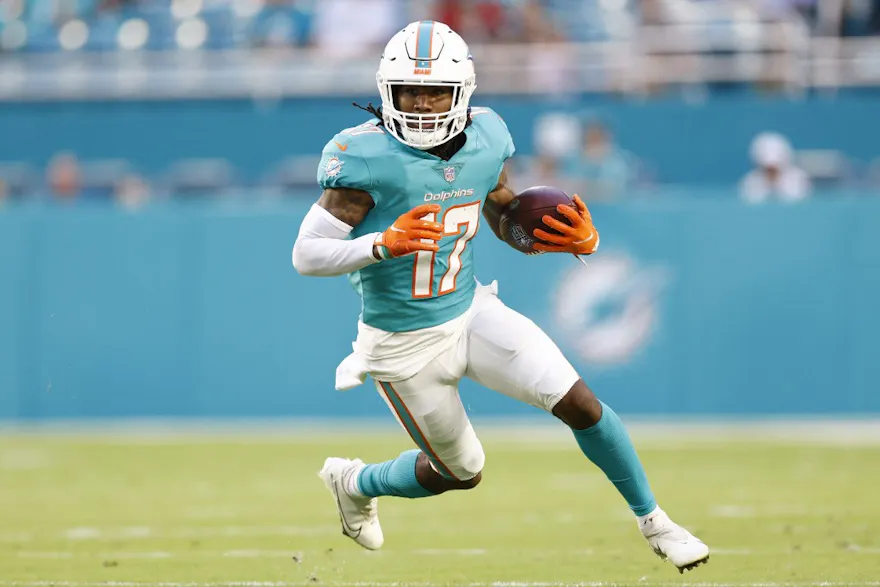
(688, 144)
(694, 306)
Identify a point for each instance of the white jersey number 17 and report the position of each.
(466, 215)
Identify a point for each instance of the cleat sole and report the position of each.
(693, 565)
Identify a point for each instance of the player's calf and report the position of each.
(605, 441)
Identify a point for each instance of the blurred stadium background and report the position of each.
(156, 157)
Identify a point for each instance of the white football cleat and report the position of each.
(672, 542)
(359, 515)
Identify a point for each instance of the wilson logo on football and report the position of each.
(520, 236)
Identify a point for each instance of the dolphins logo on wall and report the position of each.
(608, 310)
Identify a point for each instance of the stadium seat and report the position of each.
(19, 178)
(100, 177)
(200, 177)
(103, 33)
(293, 173)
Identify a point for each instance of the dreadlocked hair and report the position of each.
(377, 112)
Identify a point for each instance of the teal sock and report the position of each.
(608, 445)
(396, 477)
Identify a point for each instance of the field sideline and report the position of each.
(791, 503)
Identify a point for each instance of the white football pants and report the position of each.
(499, 348)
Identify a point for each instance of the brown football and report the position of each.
(525, 213)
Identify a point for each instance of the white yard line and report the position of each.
(418, 584)
(135, 555)
(254, 553)
(44, 555)
(131, 532)
(450, 551)
(851, 550)
(88, 533)
(746, 511)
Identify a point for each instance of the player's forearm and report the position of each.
(329, 257)
(492, 213)
(322, 248)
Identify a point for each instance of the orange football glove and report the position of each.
(579, 238)
(405, 235)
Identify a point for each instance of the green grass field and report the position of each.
(248, 509)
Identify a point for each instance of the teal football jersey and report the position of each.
(425, 289)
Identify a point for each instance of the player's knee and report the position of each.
(579, 408)
(472, 482)
(468, 468)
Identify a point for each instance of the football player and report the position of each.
(402, 201)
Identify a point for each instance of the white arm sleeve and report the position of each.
(322, 248)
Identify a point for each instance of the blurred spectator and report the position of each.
(4, 191)
(556, 134)
(549, 61)
(46, 12)
(64, 176)
(774, 175)
(349, 28)
(848, 18)
(604, 170)
(860, 18)
(526, 172)
(132, 192)
(279, 23)
(500, 21)
(478, 21)
(585, 20)
(114, 5)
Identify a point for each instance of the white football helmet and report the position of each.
(426, 53)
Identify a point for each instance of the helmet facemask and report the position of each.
(425, 130)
